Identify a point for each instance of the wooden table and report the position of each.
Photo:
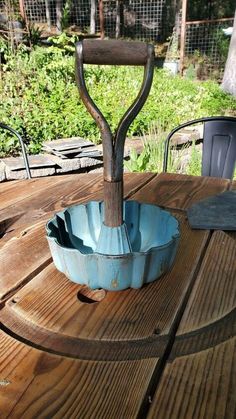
(164, 351)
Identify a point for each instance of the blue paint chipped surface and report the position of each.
(133, 254)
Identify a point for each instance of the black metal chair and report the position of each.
(219, 145)
(23, 149)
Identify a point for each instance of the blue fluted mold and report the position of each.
(83, 248)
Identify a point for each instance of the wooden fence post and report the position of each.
(101, 19)
(93, 17)
(48, 16)
(117, 19)
(183, 35)
(59, 14)
(22, 9)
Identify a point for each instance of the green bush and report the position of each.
(39, 98)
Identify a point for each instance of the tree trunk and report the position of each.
(93, 17)
(229, 79)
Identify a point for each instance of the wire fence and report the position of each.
(144, 20)
(35, 10)
(139, 19)
(206, 46)
(11, 28)
(158, 21)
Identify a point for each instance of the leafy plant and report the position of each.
(195, 162)
(33, 34)
(173, 47)
(151, 158)
(191, 72)
(64, 42)
(66, 14)
(222, 43)
(137, 163)
(40, 99)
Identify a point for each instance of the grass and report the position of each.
(152, 157)
(185, 160)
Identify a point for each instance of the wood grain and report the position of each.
(18, 190)
(50, 301)
(198, 386)
(180, 191)
(8, 185)
(27, 201)
(38, 384)
(232, 234)
(23, 248)
(114, 52)
(49, 197)
(200, 376)
(198, 370)
(22, 257)
(214, 293)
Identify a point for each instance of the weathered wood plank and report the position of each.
(126, 315)
(180, 191)
(38, 384)
(141, 322)
(200, 376)
(4, 186)
(27, 211)
(214, 293)
(22, 257)
(17, 190)
(42, 197)
(198, 386)
(48, 195)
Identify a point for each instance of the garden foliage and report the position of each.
(39, 98)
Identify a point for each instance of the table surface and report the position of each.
(164, 351)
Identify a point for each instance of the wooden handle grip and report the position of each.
(114, 52)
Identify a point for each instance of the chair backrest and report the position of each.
(219, 145)
(23, 149)
(219, 148)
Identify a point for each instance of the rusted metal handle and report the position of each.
(114, 52)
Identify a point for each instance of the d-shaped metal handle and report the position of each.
(118, 53)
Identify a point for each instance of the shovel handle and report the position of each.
(114, 52)
(118, 53)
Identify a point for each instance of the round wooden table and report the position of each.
(163, 351)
